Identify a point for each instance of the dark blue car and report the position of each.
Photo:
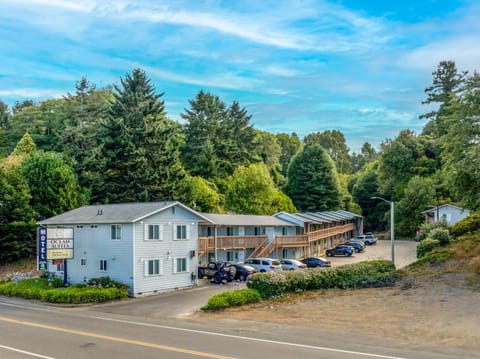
(340, 250)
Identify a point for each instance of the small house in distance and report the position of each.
(447, 213)
(152, 247)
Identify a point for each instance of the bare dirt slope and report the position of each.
(433, 308)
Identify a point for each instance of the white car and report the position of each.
(367, 239)
(264, 264)
(292, 264)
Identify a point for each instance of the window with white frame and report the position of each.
(83, 262)
(181, 232)
(153, 267)
(180, 265)
(229, 231)
(116, 232)
(60, 266)
(103, 265)
(154, 232)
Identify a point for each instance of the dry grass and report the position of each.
(21, 266)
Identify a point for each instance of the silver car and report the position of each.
(264, 264)
(292, 264)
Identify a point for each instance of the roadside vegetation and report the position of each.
(52, 290)
(273, 285)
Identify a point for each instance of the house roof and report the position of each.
(434, 209)
(245, 220)
(317, 217)
(114, 213)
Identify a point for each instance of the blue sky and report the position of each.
(360, 67)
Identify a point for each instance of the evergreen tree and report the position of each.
(138, 157)
(447, 83)
(290, 145)
(25, 147)
(17, 218)
(312, 180)
(334, 143)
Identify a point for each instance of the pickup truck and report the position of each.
(217, 270)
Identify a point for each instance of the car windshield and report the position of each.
(276, 263)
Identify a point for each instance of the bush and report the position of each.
(427, 246)
(442, 235)
(469, 224)
(48, 290)
(232, 298)
(359, 275)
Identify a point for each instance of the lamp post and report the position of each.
(392, 224)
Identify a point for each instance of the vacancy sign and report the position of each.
(59, 243)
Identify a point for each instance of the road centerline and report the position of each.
(115, 339)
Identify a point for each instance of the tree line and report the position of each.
(117, 144)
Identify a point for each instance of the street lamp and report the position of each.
(392, 224)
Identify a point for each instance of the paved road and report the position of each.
(30, 330)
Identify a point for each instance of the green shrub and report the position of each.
(427, 246)
(469, 224)
(358, 275)
(232, 298)
(442, 235)
(48, 289)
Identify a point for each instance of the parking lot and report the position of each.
(405, 253)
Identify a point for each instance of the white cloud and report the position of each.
(32, 93)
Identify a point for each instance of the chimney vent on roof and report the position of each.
(99, 212)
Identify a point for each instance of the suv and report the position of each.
(264, 264)
(341, 249)
(367, 239)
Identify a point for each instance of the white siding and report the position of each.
(95, 243)
(167, 250)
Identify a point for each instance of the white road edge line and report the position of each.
(25, 352)
(251, 339)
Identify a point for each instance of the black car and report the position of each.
(313, 262)
(358, 246)
(242, 271)
(341, 249)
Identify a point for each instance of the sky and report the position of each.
(359, 67)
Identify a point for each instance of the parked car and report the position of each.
(368, 239)
(357, 245)
(264, 264)
(243, 271)
(341, 249)
(211, 268)
(313, 262)
(292, 264)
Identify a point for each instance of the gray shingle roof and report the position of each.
(112, 213)
(245, 220)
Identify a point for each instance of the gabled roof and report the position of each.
(245, 220)
(434, 209)
(114, 213)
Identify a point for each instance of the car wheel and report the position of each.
(217, 278)
(262, 270)
(349, 254)
(242, 278)
(329, 254)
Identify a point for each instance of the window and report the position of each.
(284, 231)
(180, 265)
(258, 231)
(230, 256)
(154, 232)
(60, 266)
(153, 267)
(209, 231)
(83, 262)
(181, 232)
(229, 231)
(103, 265)
(116, 232)
(284, 252)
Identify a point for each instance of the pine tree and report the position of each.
(138, 157)
(312, 180)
